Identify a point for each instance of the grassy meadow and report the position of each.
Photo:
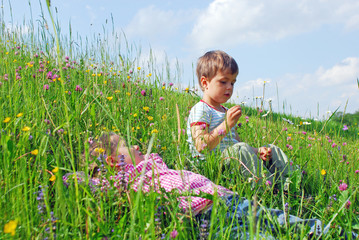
(57, 93)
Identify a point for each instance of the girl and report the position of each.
(150, 173)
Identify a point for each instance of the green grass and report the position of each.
(97, 91)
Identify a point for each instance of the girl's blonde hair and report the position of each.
(107, 144)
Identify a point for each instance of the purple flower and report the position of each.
(174, 234)
(345, 128)
(78, 88)
(46, 87)
(268, 183)
(343, 187)
(143, 93)
(356, 171)
(347, 205)
(334, 145)
(49, 75)
(304, 132)
(290, 147)
(221, 132)
(203, 126)
(161, 99)
(171, 84)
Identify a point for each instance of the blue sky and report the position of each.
(306, 51)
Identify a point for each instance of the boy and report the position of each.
(212, 127)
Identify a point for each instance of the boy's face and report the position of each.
(219, 89)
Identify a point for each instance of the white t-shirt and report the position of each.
(201, 114)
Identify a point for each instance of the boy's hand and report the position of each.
(233, 115)
(265, 153)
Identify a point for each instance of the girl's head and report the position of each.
(112, 147)
(213, 62)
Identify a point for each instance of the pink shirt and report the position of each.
(156, 174)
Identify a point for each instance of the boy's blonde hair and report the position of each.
(213, 61)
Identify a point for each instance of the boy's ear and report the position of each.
(204, 82)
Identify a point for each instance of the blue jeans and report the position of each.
(238, 208)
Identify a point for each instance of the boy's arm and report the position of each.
(203, 139)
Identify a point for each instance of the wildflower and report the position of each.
(268, 183)
(239, 125)
(78, 88)
(55, 170)
(19, 115)
(10, 227)
(356, 171)
(154, 131)
(164, 117)
(304, 133)
(186, 90)
(344, 143)
(61, 130)
(347, 205)
(204, 145)
(203, 126)
(135, 115)
(164, 148)
(345, 128)
(143, 93)
(26, 128)
(99, 150)
(290, 147)
(150, 118)
(46, 87)
(174, 234)
(109, 98)
(343, 187)
(161, 99)
(52, 178)
(146, 109)
(47, 121)
(35, 152)
(334, 145)
(49, 75)
(128, 94)
(323, 172)
(221, 132)
(6, 120)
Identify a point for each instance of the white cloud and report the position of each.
(91, 13)
(229, 22)
(153, 22)
(330, 88)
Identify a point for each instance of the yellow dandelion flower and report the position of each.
(128, 94)
(323, 172)
(164, 148)
(52, 178)
(94, 75)
(105, 82)
(135, 115)
(117, 91)
(99, 150)
(113, 127)
(99, 74)
(7, 119)
(55, 170)
(26, 129)
(128, 77)
(10, 227)
(163, 87)
(19, 114)
(154, 131)
(140, 139)
(7, 53)
(15, 60)
(139, 68)
(146, 109)
(133, 129)
(87, 70)
(150, 118)
(164, 117)
(150, 74)
(35, 152)
(138, 128)
(109, 98)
